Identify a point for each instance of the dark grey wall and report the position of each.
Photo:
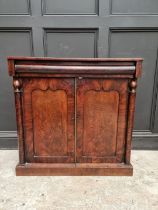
(85, 28)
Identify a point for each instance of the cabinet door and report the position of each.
(49, 119)
(101, 120)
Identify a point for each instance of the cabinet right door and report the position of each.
(102, 106)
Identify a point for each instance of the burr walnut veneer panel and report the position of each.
(74, 116)
(100, 135)
(48, 118)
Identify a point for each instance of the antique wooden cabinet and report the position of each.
(74, 116)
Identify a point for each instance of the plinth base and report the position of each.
(72, 169)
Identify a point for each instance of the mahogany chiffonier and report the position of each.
(74, 115)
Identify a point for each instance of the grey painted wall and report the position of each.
(85, 28)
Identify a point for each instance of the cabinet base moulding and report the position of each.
(48, 169)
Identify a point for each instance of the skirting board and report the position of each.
(8, 140)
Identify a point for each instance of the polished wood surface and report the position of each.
(45, 169)
(49, 119)
(74, 116)
(101, 125)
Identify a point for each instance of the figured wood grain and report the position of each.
(101, 120)
(74, 116)
(100, 123)
(50, 109)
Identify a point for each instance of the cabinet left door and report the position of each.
(48, 119)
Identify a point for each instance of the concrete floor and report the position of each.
(139, 192)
